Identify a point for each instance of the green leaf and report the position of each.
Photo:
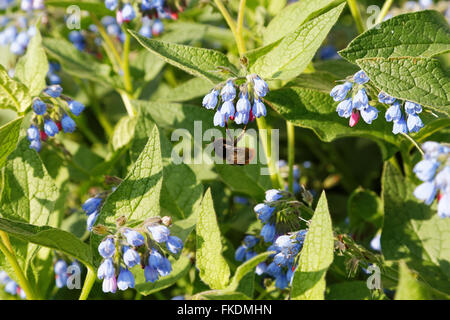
(292, 17)
(414, 232)
(214, 270)
(314, 109)
(137, 197)
(199, 62)
(245, 179)
(29, 195)
(77, 63)
(13, 94)
(221, 295)
(179, 269)
(123, 132)
(49, 237)
(421, 80)
(191, 89)
(289, 58)
(245, 268)
(348, 290)
(32, 68)
(181, 191)
(365, 210)
(316, 256)
(418, 34)
(409, 288)
(9, 134)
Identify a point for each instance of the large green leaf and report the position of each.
(214, 270)
(181, 190)
(413, 231)
(418, 34)
(9, 134)
(137, 197)
(29, 195)
(13, 94)
(292, 54)
(316, 256)
(32, 68)
(291, 17)
(421, 80)
(199, 62)
(49, 237)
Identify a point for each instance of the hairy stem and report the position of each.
(88, 283)
(353, 5)
(291, 154)
(240, 22)
(384, 10)
(5, 247)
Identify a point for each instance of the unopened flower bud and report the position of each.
(100, 229)
(167, 220)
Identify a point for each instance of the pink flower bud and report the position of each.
(354, 118)
(119, 17)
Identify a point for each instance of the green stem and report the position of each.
(277, 182)
(291, 154)
(127, 102)
(110, 48)
(353, 5)
(386, 6)
(125, 62)
(414, 143)
(240, 22)
(229, 20)
(88, 283)
(10, 256)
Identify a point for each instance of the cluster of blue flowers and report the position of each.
(16, 34)
(151, 10)
(129, 247)
(434, 171)
(11, 286)
(63, 271)
(282, 264)
(253, 89)
(358, 104)
(50, 116)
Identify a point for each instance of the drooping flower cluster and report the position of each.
(253, 90)
(148, 246)
(357, 104)
(434, 171)
(11, 286)
(280, 233)
(63, 271)
(50, 115)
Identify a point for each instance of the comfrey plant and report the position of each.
(359, 104)
(434, 171)
(148, 246)
(248, 106)
(51, 115)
